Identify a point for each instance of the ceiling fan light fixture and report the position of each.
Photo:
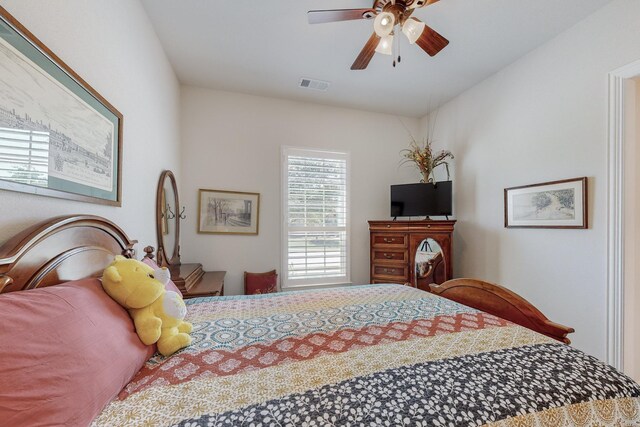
(384, 23)
(385, 46)
(413, 29)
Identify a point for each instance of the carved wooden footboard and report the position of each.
(500, 301)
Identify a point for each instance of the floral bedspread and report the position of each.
(375, 355)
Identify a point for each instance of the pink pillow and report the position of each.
(66, 351)
(170, 286)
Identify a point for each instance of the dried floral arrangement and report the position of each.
(422, 155)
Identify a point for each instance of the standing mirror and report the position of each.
(168, 220)
(430, 264)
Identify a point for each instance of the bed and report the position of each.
(359, 355)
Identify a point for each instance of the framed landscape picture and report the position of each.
(58, 136)
(556, 204)
(228, 212)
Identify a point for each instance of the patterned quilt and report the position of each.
(375, 355)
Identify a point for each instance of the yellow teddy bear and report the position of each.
(157, 314)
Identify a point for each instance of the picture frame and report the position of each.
(554, 204)
(228, 212)
(58, 136)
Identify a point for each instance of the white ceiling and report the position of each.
(264, 47)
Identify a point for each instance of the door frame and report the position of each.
(615, 212)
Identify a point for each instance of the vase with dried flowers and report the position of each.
(423, 156)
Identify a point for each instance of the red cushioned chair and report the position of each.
(260, 283)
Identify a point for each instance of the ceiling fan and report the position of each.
(387, 14)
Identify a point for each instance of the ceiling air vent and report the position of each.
(314, 84)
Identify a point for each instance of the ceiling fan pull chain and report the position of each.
(396, 48)
(394, 57)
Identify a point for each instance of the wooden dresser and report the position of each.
(394, 245)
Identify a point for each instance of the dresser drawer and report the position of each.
(390, 255)
(399, 226)
(397, 282)
(396, 272)
(389, 240)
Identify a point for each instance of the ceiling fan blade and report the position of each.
(367, 52)
(431, 42)
(422, 3)
(322, 16)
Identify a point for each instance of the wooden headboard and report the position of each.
(59, 250)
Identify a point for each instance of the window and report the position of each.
(315, 236)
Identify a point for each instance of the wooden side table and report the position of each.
(194, 282)
(210, 285)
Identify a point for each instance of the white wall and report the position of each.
(113, 46)
(540, 119)
(232, 142)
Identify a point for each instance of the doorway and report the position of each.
(631, 321)
(624, 221)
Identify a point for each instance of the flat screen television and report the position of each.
(421, 199)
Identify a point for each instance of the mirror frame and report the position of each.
(161, 254)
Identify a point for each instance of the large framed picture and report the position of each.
(228, 212)
(556, 204)
(58, 136)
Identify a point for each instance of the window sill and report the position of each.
(316, 286)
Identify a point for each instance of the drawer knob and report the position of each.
(388, 225)
(387, 256)
(387, 240)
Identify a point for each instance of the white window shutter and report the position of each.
(316, 217)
